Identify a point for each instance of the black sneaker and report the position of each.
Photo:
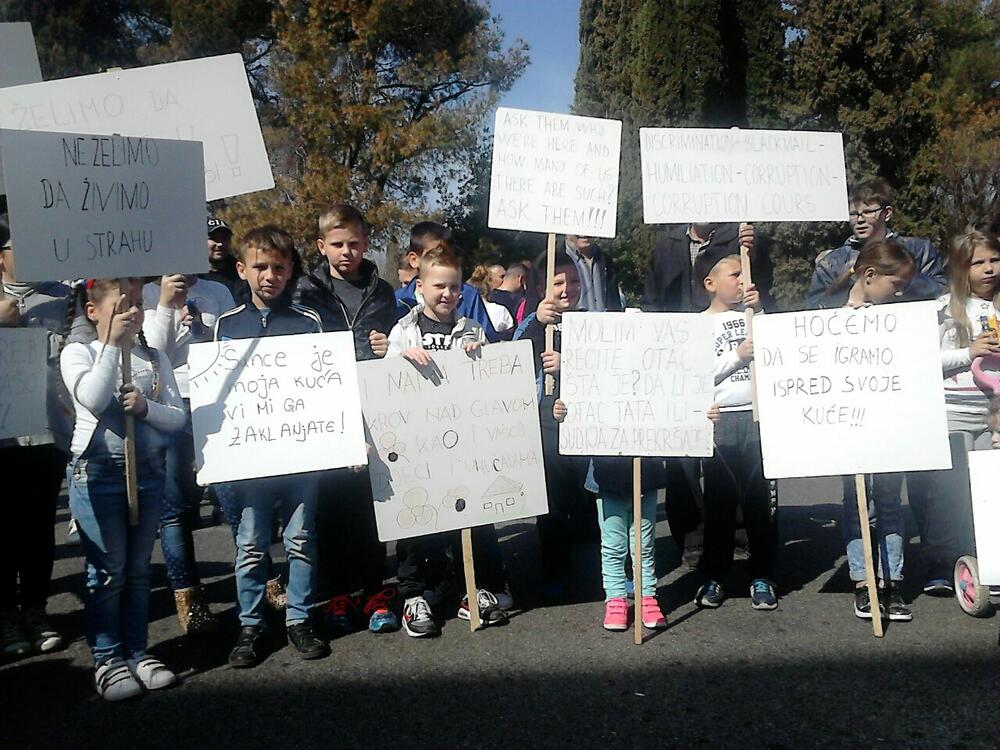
(302, 637)
(862, 605)
(710, 595)
(244, 653)
(418, 621)
(895, 606)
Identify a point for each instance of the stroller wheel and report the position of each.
(973, 597)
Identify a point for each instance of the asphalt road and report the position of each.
(808, 675)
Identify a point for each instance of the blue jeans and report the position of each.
(297, 496)
(614, 515)
(180, 516)
(117, 554)
(883, 492)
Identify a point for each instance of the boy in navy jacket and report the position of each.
(266, 260)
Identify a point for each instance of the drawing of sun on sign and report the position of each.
(417, 511)
(502, 494)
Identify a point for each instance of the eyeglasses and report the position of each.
(867, 213)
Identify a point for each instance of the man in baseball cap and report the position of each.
(220, 257)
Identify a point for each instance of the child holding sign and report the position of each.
(968, 314)
(267, 262)
(734, 475)
(432, 326)
(116, 552)
(882, 271)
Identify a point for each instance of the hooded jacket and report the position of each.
(471, 306)
(927, 284)
(376, 313)
(406, 333)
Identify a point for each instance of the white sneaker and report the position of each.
(114, 681)
(418, 621)
(152, 673)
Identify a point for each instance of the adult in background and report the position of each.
(671, 285)
(221, 261)
(496, 273)
(500, 317)
(511, 291)
(598, 280)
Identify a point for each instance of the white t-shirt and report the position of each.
(163, 327)
(733, 389)
(961, 394)
(500, 316)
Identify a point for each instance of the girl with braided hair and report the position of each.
(117, 553)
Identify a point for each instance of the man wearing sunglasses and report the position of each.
(871, 211)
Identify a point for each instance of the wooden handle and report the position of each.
(550, 331)
(637, 546)
(748, 316)
(866, 539)
(131, 475)
(470, 580)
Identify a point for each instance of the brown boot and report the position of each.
(275, 594)
(193, 613)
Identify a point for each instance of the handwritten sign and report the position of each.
(23, 363)
(706, 175)
(19, 59)
(277, 405)
(851, 391)
(86, 206)
(205, 100)
(636, 384)
(984, 475)
(455, 445)
(554, 173)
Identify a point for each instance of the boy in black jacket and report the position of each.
(349, 296)
(266, 262)
(564, 475)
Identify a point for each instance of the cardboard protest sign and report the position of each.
(206, 100)
(851, 391)
(18, 56)
(103, 206)
(706, 175)
(23, 373)
(275, 405)
(984, 475)
(636, 384)
(455, 445)
(554, 173)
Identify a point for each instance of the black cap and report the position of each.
(707, 260)
(214, 223)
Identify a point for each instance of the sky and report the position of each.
(551, 29)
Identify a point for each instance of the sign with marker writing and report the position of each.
(274, 406)
(708, 175)
(205, 100)
(636, 384)
(554, 173)
(454, 445)
(984, 474)
(851, 391)
(19, 58)
(23, 372)
(84, 206)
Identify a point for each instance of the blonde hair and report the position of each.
(480, 279)
(963, 247)
(341, 216)
(442, 256)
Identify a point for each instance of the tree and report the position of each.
(377, 103)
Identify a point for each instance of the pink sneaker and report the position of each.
(652, 617)
(616, 614)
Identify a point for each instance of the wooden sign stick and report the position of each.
(748, 314)
(550, 331)
(637, 551)
(470, 580)
(131, 477)
(866, 539)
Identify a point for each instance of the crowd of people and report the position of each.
(337, 579)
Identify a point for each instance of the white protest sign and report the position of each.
(103, 206)
(636, 384)
(275, 405)
(851, 391)
(206, 100)
(18, 56)
(455, 445)
(23, 373)
(984, 476)
(554, 173)
(707, 175)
